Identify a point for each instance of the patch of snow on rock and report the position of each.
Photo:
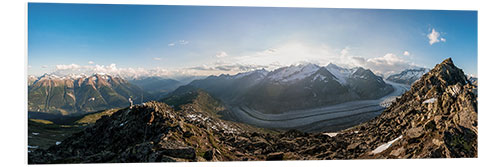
(431, 100)
(340, 73)
(32, 146)
(385, 146)
(331, 134)
(294, 73)
(320, 77)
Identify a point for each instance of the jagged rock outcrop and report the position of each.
(436, 118)
(150, 132)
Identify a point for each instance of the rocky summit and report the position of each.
(436, 118)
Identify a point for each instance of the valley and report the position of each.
(323, 119)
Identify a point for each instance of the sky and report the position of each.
(174, 41)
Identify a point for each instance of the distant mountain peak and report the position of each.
(408, 76)
(293, 72)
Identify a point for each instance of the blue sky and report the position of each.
(201, 40)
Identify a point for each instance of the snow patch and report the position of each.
(294, 73)
(34, 147)
(341, 74)
(455, 89)
(431, 100)
(320, 77)
(385, 146)
(34, 133)
(331, 134)
(123, 123)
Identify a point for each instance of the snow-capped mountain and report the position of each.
(292, 73)
(472, 79)
(408, 76)
(341, 74)
(258, 74)
(79, 93)
(295, 87)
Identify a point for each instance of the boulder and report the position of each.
(274, 156)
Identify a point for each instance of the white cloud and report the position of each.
(434, 37)
(180, 42)
(386, 65)
(183, 42)
(289, 53)
(157, 58)
(344, 51)
(113, 69)
(221, 54)
(67, 67)
(45, 66)
(282, 55)
(91, 62)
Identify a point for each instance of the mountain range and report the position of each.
(158, 87)
(436, 118)
(408, 76)
(75, 94)
(295, 87)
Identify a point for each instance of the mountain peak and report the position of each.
(408, 76)
(439, 111)
(447, 61)
(447, 74)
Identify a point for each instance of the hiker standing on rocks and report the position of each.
(131, 102)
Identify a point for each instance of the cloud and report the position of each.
(386, 65)
(91, 62)
(434, 37)
(67, 67)
(286, 54)
(289, 53)
(157, 58)
(344, 51)
(226, 68)
(128, 73)
(45, 66)
(221, 54)
(183, 42)
(180, 42)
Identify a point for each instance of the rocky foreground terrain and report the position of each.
(436, 118)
